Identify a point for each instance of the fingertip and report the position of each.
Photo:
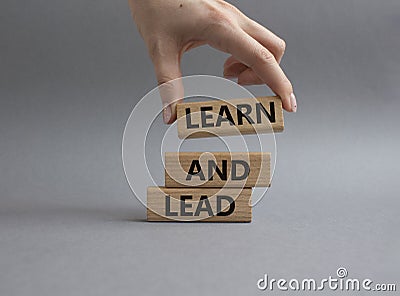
(289, 103)
(170, 111)
(293, 102)
(228, 75)
(241, 82)
(167, 114)
(245, 81)
(229, 61)
(288, 97)
(234, 70)
(287, 106)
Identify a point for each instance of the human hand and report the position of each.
(172, 27)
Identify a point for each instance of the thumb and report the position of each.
(168, 73)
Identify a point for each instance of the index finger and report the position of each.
(251, 53)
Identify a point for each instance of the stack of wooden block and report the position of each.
(215, 186)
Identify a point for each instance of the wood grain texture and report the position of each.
(199, 204)
(217, 169)
(231, 117)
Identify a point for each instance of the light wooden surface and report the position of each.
(217, 169)
(231, 117)
(184, 204)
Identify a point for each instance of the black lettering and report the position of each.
(204, 200)
(189, 120)
(204, 116)
(246, 115)
(271, 115)
(234, 170)
(222, 110)
(168, 207)
(185, 206)
(222, 175)
(195, 165)
(219, 205)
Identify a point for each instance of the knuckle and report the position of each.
(219, 21)
(264, 56)
(228, 6)
(217, 18)
(164, 81)
(281, 46)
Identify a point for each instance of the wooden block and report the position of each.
(220, 118)
(217, 169)
(199, 204)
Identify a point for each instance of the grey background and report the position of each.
(71, 71)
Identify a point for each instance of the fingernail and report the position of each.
(167, 114)
(293, 102)
(227, 75)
